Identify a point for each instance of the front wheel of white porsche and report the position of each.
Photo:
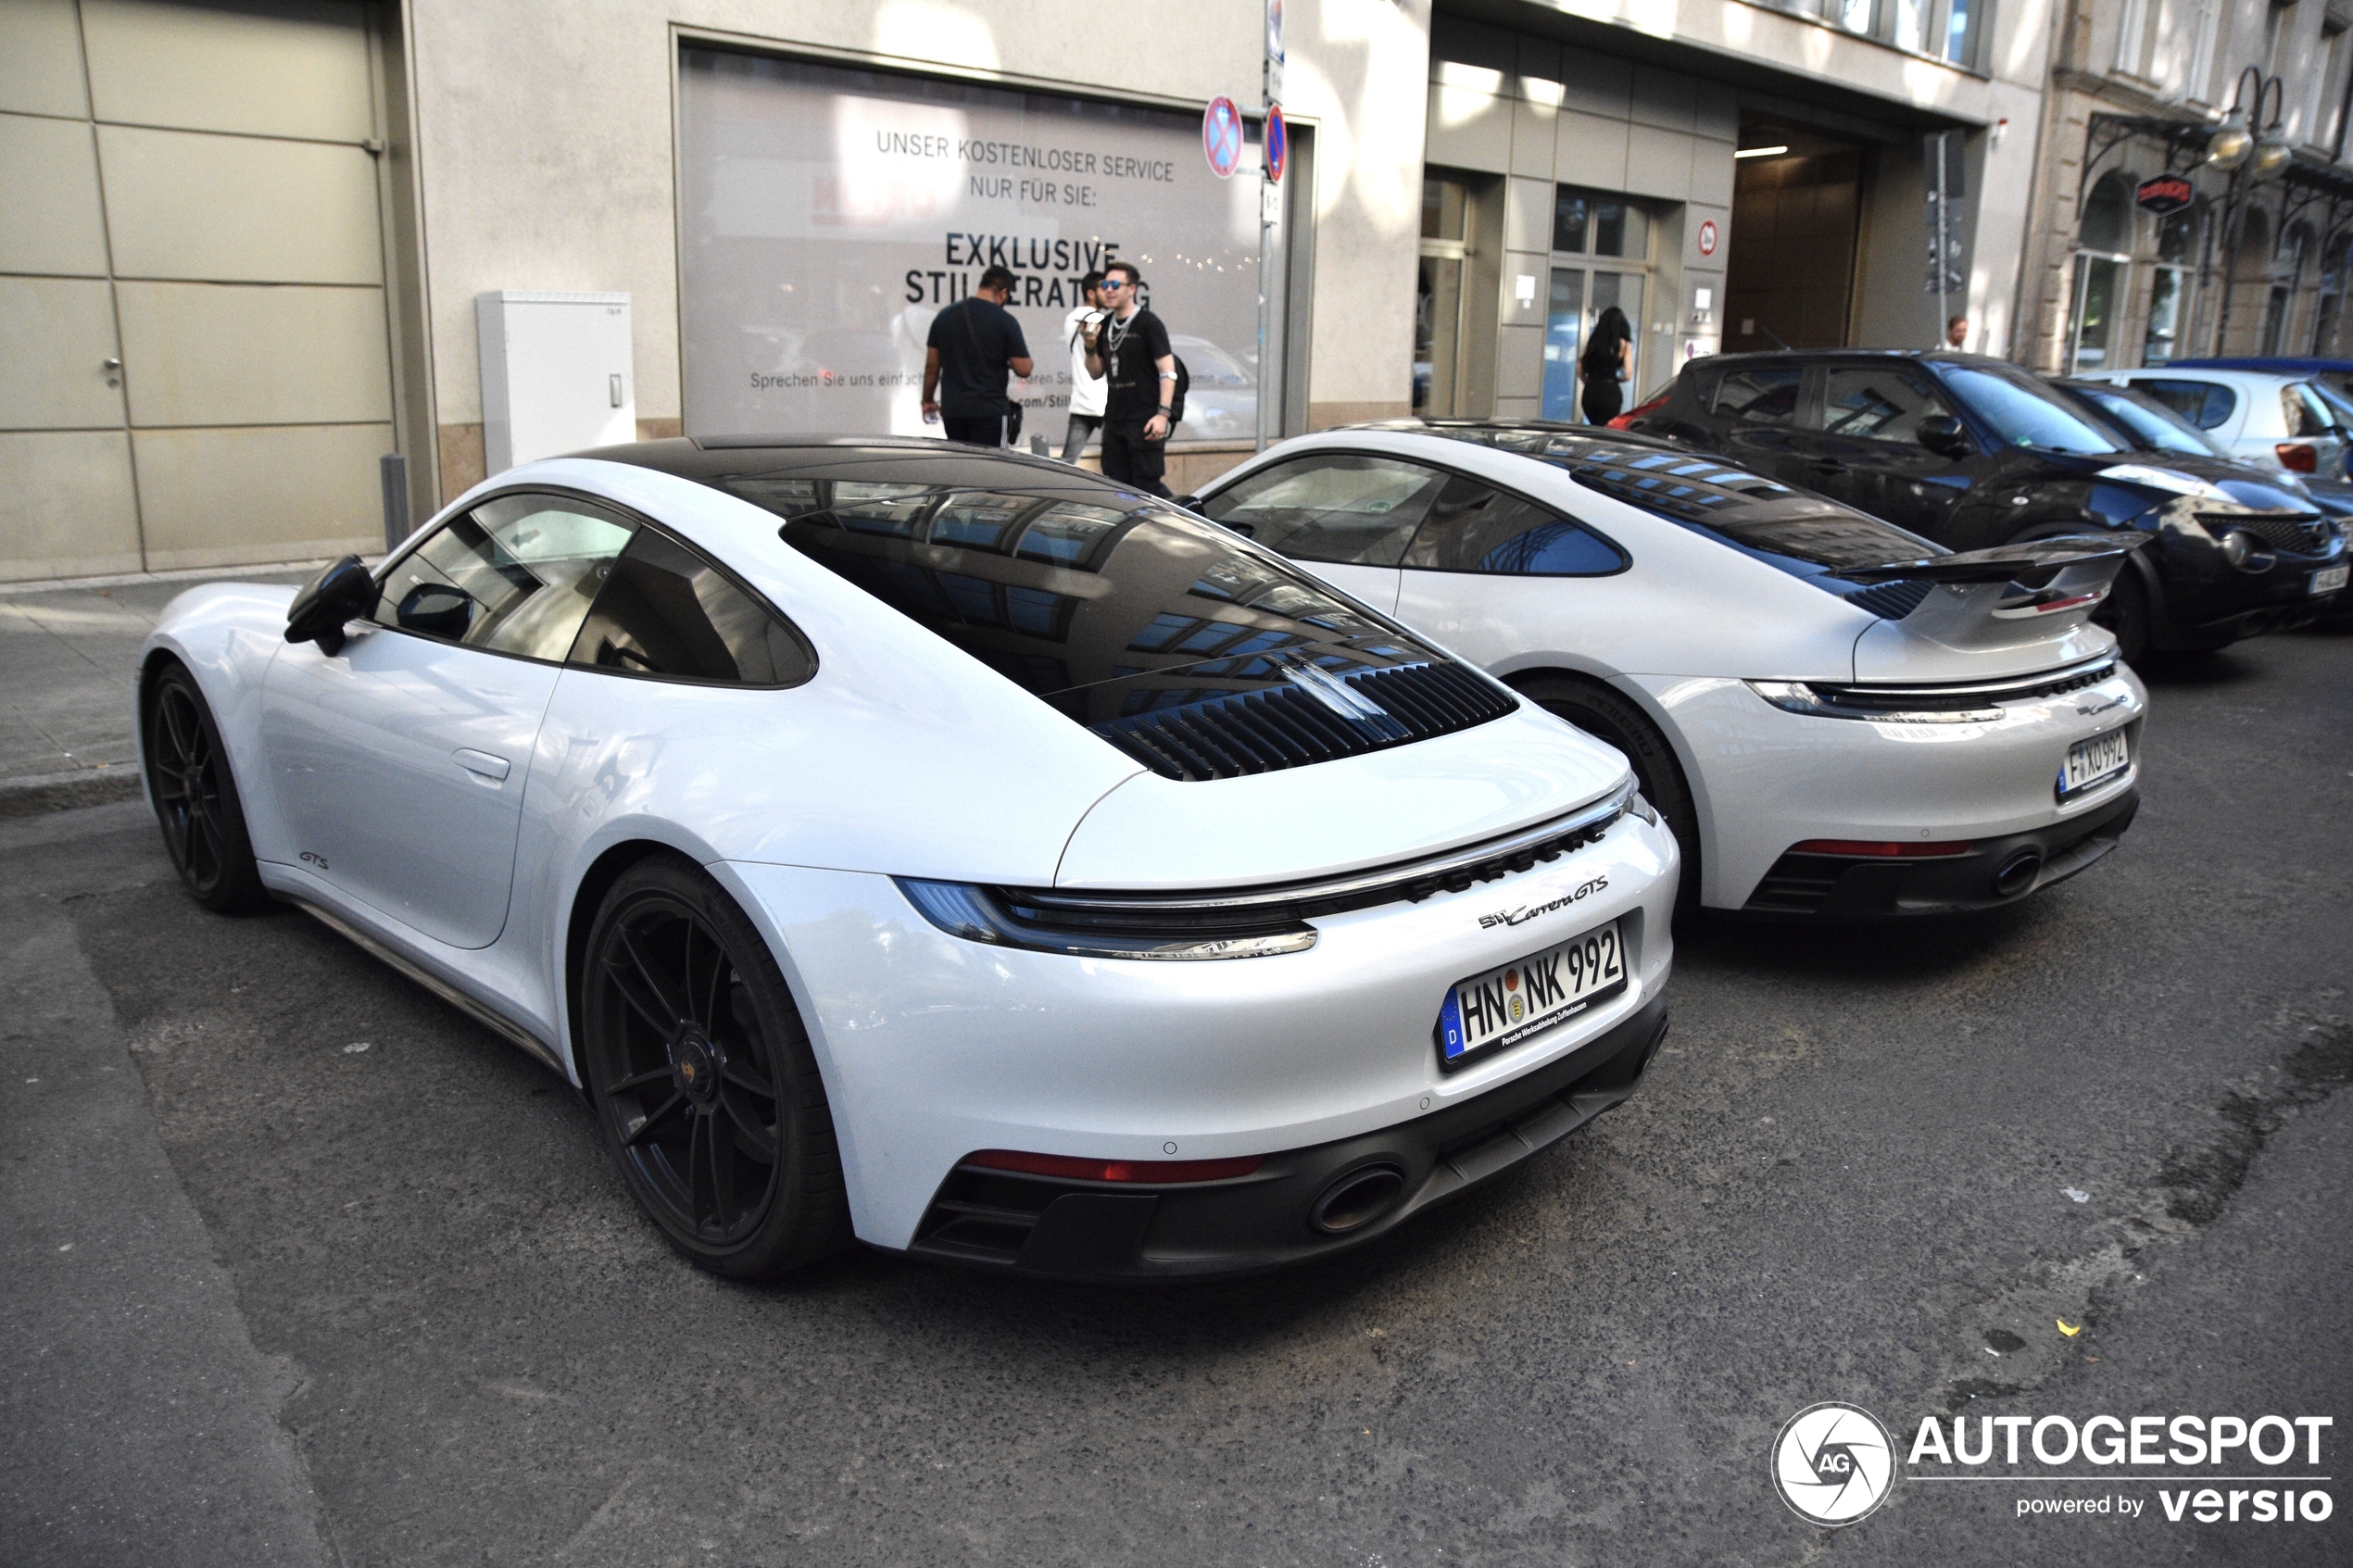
(706, 1089)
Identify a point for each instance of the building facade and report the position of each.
(1734, 176)
(249, 247)
(2254, 262)
(253, 250)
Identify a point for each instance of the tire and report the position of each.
(1605, 715)
(196, 798)
(705, 1087)
(2125, 611)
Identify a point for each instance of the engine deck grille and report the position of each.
(1229, 734)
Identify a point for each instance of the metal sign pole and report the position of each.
(1944, 245)
(1270, 90)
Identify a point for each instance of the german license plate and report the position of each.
(1505, 1006)
(2329, 579)
(2089, 761)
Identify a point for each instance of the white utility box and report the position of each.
(556, 374)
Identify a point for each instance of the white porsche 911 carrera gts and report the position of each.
(987, 862)
(1840, 718)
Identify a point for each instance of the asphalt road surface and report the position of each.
(300, 1266)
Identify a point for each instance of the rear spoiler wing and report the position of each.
(2008, 595)
(2033, 564)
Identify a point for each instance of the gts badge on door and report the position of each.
(315, 859)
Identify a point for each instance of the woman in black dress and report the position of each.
(1604, 363)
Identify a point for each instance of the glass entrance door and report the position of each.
(1579, 296)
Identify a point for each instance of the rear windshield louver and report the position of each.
(1228, 734)
(1892, 601)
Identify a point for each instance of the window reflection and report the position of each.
(1098, 602)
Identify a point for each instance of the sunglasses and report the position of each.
(1110, 284)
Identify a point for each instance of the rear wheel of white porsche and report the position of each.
(1604, 714)
(706, 1089)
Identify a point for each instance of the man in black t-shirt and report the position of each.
(973, 344)
(1129, 349)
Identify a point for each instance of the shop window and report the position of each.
(2328, 313)
(1445, 289)
(2287, 271)
(2170, 286)
(2103, 272)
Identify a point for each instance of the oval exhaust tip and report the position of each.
(1357, 1199)
(2018, 873)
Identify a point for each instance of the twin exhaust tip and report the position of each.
(1357, 1199)
(2017, 874)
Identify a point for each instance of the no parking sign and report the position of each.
(1221, 136)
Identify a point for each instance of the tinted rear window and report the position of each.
(1103, 603)
(1793, 531)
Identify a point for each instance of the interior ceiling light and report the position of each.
(1761, 152)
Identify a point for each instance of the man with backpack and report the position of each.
(972, 345)
(1129, 349)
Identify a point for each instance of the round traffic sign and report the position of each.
(1707, 237)
(1221, 136)
(1277, 142)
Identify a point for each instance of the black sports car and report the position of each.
(1975, 452)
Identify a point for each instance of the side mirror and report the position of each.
(343, 592)
(1945, 436)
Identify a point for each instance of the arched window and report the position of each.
(2102, 271)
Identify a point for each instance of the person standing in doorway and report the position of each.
(1129, 349)
(1956, 333)
(973, 344)
(1086, 389)
(1604, 364)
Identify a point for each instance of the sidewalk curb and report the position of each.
(64, 792)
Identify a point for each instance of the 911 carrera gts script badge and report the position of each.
(1527, 912)
(315, 859)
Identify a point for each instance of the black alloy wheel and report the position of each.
(1606, 716)
(706, 1088)
(2125, 611)
(196, 798)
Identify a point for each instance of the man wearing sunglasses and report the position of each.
(1129, 349)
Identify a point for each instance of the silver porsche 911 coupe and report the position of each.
(952, 850)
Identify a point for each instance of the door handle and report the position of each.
(482, 764)
(1830, 466)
